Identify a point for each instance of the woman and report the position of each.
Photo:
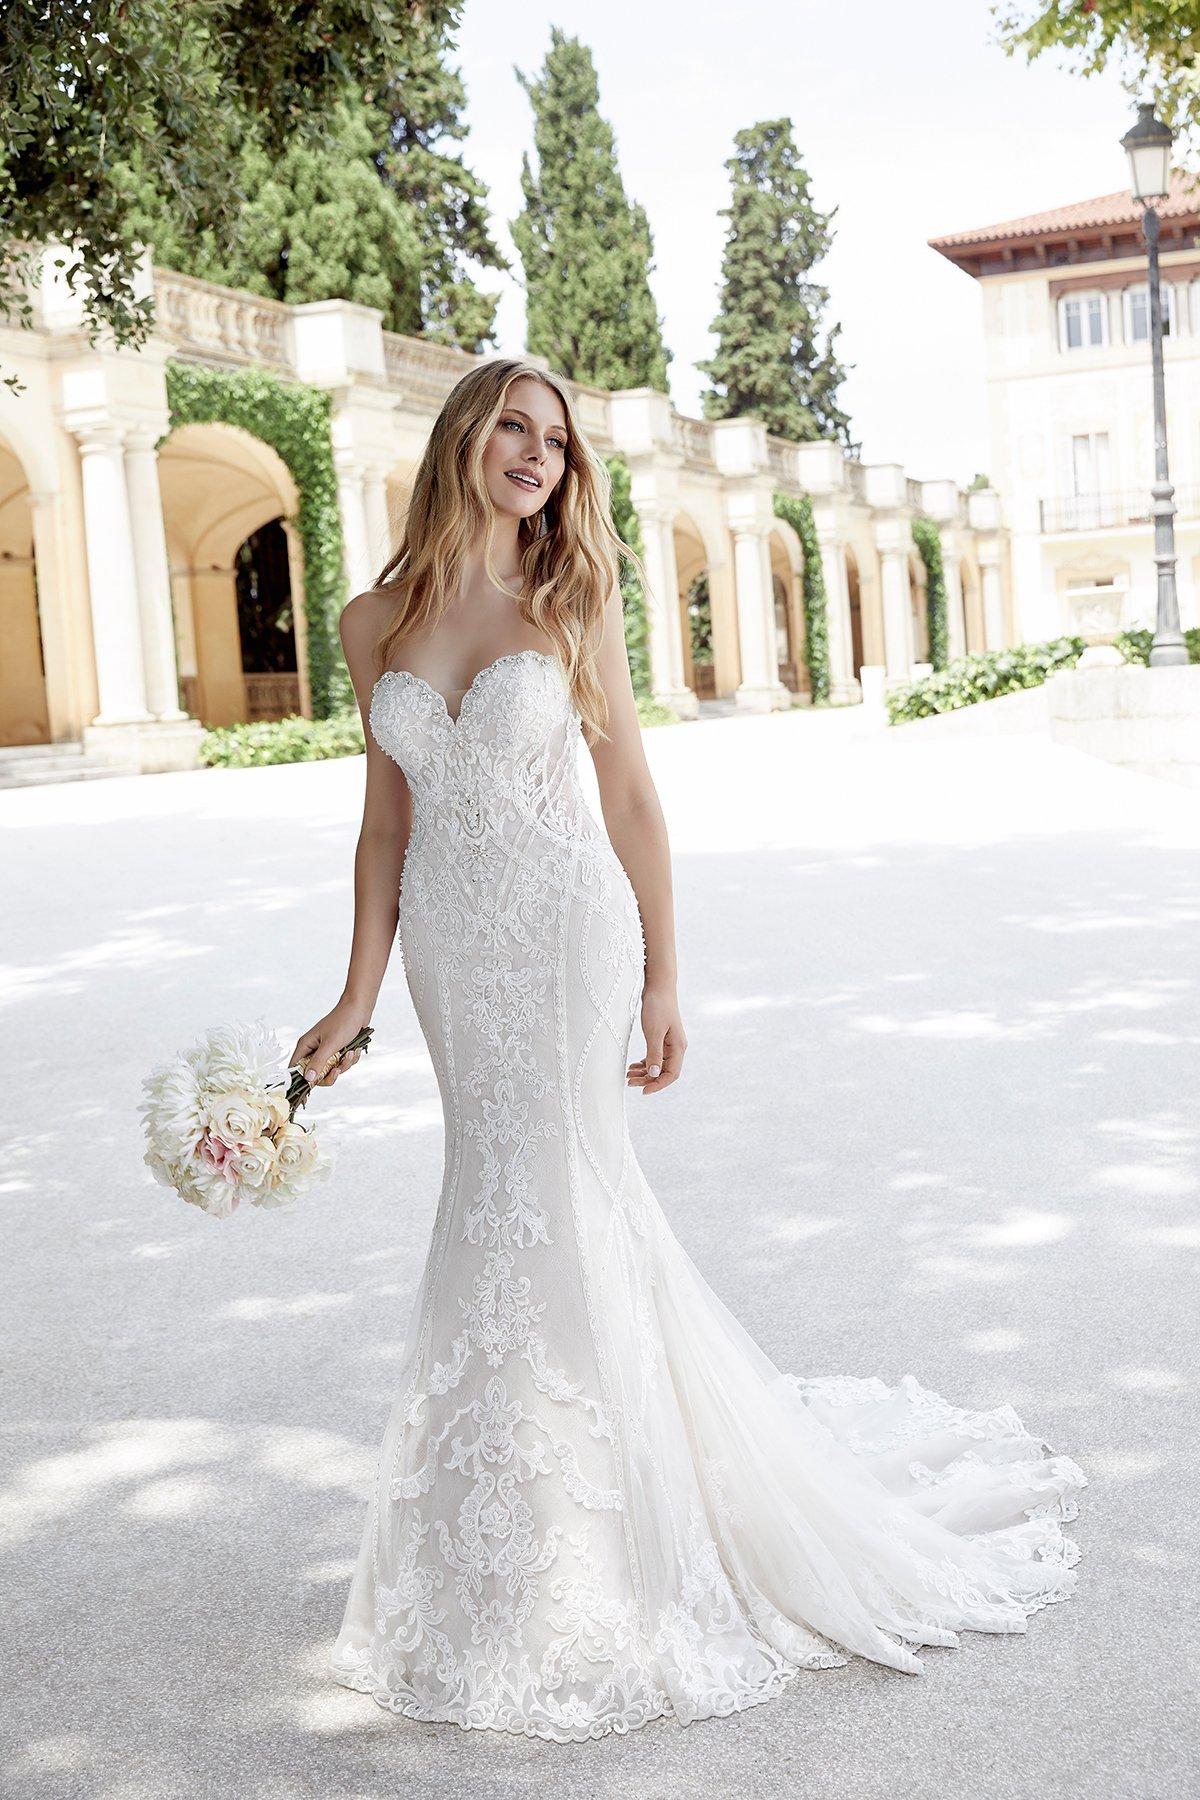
(598, 1501)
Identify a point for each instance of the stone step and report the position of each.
(35, 765)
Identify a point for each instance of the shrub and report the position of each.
(289, 740)
(1135, 645)
(984, 677)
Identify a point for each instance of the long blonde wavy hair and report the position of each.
(570, 551)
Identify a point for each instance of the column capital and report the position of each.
(95, 434)
(656, 512)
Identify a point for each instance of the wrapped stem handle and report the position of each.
(300, 1088)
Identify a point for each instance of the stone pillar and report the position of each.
(993, 596)
(891, 540)
(112, 578)
(380, 547)
(665, 627)
(956, 625)
(760, 689)
(153, 576)
(843, 685)
(295, 552)
(352, 505)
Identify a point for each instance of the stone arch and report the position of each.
(24, 701)
(971, 581)
(918, 600)
(787, 583)
(858, 653)
(701, 620)
(221, 486)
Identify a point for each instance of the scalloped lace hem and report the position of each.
(369, 1681)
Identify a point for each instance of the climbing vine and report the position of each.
(293, 419)
(796, 511)
(928, 540)
(633, 599)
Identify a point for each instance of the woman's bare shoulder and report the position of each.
(365, 618)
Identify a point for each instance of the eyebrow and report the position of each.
(529, 416)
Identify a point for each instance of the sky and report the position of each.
(910, 120)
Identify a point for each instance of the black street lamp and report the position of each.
(1149, 146)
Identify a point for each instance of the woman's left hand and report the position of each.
(666, 1042)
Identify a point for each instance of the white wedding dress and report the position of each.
(598, 1501)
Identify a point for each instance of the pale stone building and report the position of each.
(146, 573)
(1066, 326)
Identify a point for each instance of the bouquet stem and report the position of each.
(299, 1088)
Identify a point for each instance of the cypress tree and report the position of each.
(768, 361)
(317, 223)
(422, 112)
(586, 247)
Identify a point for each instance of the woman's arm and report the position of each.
(638, 832)
(378, 861)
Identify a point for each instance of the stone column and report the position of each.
(295, 552)
(380, 547)
(665, 628)
(843, 684)
(352, 505)
(891, 536)
(956, 626)
(760, 689)
(993, 596)
(153, 576)
(112, 578)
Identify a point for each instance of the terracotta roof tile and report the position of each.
(1082, 215)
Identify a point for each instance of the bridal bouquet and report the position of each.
(221, 1122)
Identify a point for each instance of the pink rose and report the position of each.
(217, 1153)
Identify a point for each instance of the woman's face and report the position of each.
(524, 459)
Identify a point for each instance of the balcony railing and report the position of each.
(1111, 512)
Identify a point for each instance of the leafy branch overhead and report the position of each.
(1152, 46)
(292, 151)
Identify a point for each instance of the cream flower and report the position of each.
(238, 1117)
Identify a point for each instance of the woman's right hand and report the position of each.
(315, 1047)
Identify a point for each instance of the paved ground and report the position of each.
(939, 1115)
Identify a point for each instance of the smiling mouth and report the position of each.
(523, 479)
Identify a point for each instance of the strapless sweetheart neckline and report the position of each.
(453, 718)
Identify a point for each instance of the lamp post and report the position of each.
(1148, 143)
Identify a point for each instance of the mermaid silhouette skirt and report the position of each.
(598, 1501)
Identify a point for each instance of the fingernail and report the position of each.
(654, 1069)
(310, 1074)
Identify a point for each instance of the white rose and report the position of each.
(239, 1117)
(255, 1163)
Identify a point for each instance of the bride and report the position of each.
(598, 1501)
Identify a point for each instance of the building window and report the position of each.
(1093, 504)
(1083, 321)
(1137, 311)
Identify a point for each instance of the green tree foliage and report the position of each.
(585, 246)
(371, 211)
(93, 87)
(1152, 45)
(317, 224)
(422, 114)
(768, 360)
